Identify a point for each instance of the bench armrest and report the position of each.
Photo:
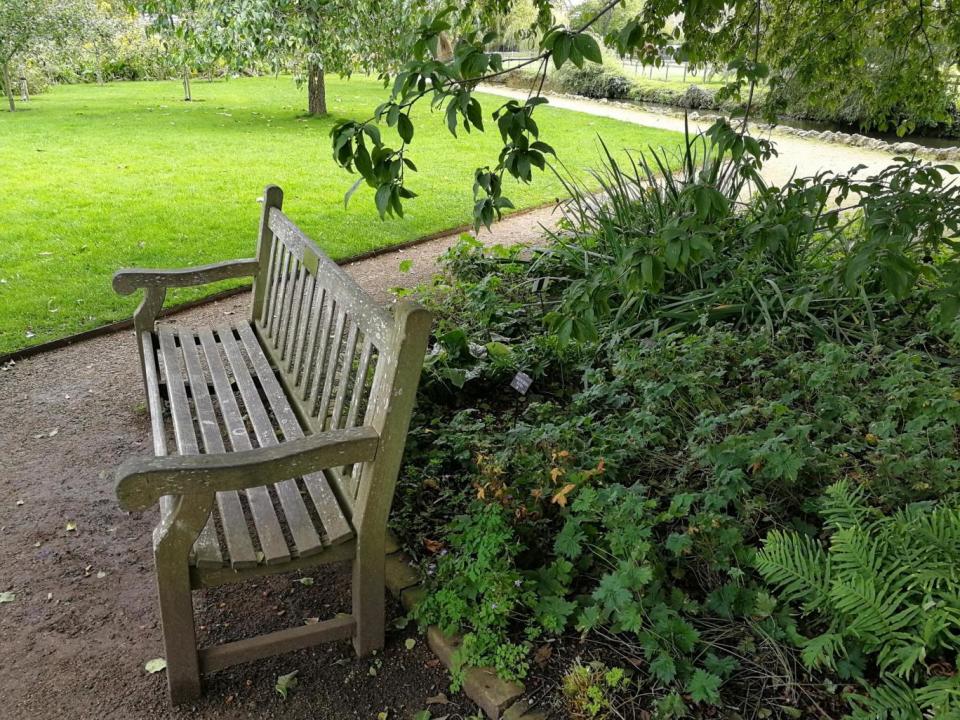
(141, 482)
(128, 280)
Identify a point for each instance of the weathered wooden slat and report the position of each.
(269, 532)
(346, 373)
(232, 520)
(290, 307)
(318, 360)
(294, 329)
(300, 372)
(212, 577)
(333, 358)
(298, 339)
(301, 527)
(269, 291)
(154, 403)
(207, 546)
(359, 384)
(331, 515)
(296, 638)
(279, 292)
(373, 319)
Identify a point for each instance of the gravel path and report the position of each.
(797, 155)
(84, 618)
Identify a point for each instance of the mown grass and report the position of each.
(98, 178)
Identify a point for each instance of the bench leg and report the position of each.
(179, 636)
(369, 607)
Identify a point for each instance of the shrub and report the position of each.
(592, 81)
(705, 368)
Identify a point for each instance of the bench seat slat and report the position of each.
(234, 524)
(305, 537)
(268, 529)
(207, 547)
(335, 525)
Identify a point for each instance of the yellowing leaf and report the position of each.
(561, 497)
(555, 473)
(155, 665)
(7, 597)
(410, 643)
(285, 683)
(71, 525)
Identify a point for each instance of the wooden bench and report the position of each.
(282, 443)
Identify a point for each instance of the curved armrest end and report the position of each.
(141, 482)
(128, 280)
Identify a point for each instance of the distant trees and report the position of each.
(309, 37)
(24, 24)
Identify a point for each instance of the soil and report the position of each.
(83, 623)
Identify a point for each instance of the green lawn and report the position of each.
(98, 178)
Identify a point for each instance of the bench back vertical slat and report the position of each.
(329, 341)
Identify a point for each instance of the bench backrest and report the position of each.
(345, 360)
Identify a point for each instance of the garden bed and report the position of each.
(727, 485)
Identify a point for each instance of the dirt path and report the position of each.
(805, 157)
(74, 641)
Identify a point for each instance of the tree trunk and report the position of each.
(24, 87)
(96, 49)
(186, 85)
(316, 91)
(8, 86)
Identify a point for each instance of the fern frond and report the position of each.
(798, 566)
(844, 506)
(855, 553)
(823, 650)
(940, 697)
(892, 700)
(875, 609)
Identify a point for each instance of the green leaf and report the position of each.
(285, 683)
(382, 199)
(561, 49)
(704, 687)
(589, 48)
(351, 191)
(405, 128)
(305, 581)
(663, 668)
(678, 543)
(498, 350)
(406, 265)
(410, 643)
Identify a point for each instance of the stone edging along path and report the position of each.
(499, 699)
